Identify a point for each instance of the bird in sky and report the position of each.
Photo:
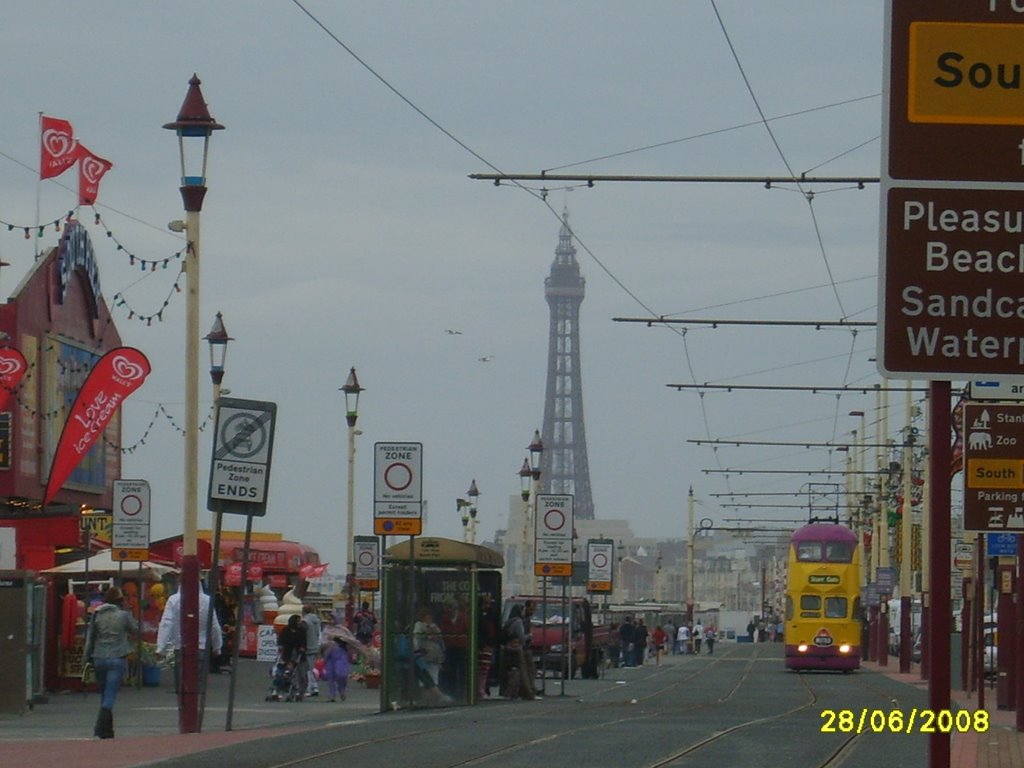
(486, 358)
(450, 332)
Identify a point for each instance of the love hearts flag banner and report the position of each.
(12, 368)
(90, 170)
(310, 571)
(115, 376)
(58, 147)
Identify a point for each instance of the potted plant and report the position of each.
(367, 668)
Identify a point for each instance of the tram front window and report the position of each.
(835, 607)
(808, 551)
(838, 552)
(810, 606)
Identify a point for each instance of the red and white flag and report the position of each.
(115, 376)
(12, 368)
(90, 170)
(58, 147)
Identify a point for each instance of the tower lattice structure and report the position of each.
(564, 464)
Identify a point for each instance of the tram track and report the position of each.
(656, 704)
(834, 758)
(490, 755)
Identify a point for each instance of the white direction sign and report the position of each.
(1008, 388)
(130, 515)
(242, 448)
(367, 554)
(398, 489)
(600, 565)
(553, 534)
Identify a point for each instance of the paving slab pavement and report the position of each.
(146, 721)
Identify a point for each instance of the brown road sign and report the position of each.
(955, 90)
(993, 467)
(953, 286)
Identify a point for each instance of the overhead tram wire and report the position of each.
(714, 323)
(730, 471)
(795, 388)
(716, 131)
(590, 179)
(798, 444)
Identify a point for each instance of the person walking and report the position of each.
(640, 638)
(365, 624)
(455, 630)
(168, 635)
(670, 634)
(514, 657)
(314, 626)
(108, 641)
(291, 648)
(488, 641)
(698, 635)
(660, 637)
(683, 638)
(709, 639)
(336, 668)
(627, 639)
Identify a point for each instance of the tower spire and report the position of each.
(564, 464)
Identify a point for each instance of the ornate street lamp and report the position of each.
(474, 494)
(217, 339)
(525, 474)
(194, 126)
(536, 448)
(351, 389)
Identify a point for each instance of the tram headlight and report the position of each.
(802, 647)
(844, 648)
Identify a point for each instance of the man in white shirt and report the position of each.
(168, 635)
(683, 638)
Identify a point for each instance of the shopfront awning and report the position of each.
(103, 564)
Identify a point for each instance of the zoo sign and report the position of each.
(993, 442)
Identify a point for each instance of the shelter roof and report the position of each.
(438, 551)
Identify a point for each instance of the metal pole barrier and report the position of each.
(212, 587)
(239, 617)
(939, 459)
(567, 644)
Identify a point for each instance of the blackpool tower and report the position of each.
(564, 465)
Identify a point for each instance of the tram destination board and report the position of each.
(993, 437)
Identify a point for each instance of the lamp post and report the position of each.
(469, 513)
(689, 558)
(351, 389)
(194, 126)
(217, 340)
(536, 448)
(525, 476)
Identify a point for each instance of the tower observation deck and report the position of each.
(564, 465)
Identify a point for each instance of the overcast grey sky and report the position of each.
(340, 229)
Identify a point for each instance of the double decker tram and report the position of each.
(823, 628)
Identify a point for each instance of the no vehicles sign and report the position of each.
(398, 489)
(553, 535)
(242, 447)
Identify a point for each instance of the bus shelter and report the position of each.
(435, 592)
